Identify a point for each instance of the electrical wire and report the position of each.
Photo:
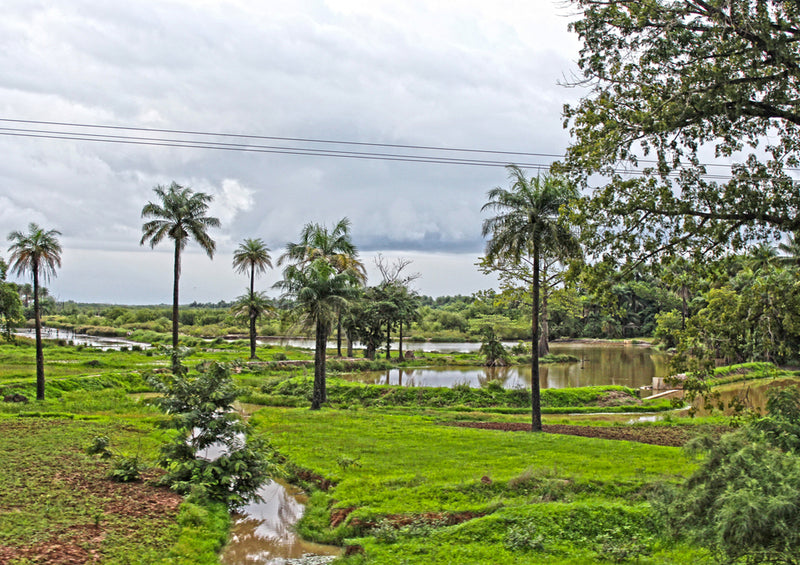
(193, 139)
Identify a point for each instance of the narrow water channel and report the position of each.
(263, 532)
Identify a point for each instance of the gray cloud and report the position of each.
(418, 72)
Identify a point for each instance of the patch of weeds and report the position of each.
(618, 548)
(524, 537)
(346, 462)
(99, 447)
(385, 532)
(126, 469)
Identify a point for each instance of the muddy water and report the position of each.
(263, 531)
(750, 395)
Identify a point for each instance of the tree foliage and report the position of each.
(201, 411)
(10, 304)
(675, 83)
(743, 502)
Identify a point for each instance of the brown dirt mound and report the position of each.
(655, 435)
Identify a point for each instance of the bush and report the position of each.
(201, 408)
(742, 502)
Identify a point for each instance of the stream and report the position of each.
(262, 532)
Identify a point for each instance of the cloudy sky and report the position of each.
(484, 75)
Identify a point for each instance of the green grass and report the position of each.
(403, 480)
(296, 392)
(52, 494)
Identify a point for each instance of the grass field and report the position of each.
(393, 480)
(408, 489)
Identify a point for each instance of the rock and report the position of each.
(311, 560)
(15, 398)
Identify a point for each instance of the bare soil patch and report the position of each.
(675, 436)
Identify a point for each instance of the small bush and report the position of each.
(126, 469)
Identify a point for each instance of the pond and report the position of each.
(599, 364)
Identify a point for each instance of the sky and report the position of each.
(468, 75)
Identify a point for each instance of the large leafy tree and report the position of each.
(528, 220)
(674, 83)
(179, 214)
(320, 292)
(39, 253)
(251, 257)
(335, 246)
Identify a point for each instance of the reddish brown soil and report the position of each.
(125, 503)
(655, 435)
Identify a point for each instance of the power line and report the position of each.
(57, 132)
(260, 149)
(292, 139)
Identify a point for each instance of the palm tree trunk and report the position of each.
(339, 334)
(176, 364)
(536, 404)
(252, 314)
(349, 344)
(37, 317)
(544, 338)
(253, 336)
(319, 366)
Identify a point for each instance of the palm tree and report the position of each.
(38, 252)
(527, 221)
(320, 292)
(791, 250)
(761, 257)
(179, 214)
(252, 306)
(335, 247)
(252, 256)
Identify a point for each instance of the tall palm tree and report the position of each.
(527, 221)
(320, 291)
(39, 253)
(180, 215)
(335, 247)
(252, 256)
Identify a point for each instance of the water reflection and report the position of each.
(262, 532)
(599, 364)
(100, 342)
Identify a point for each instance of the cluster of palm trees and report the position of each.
(323, 269)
